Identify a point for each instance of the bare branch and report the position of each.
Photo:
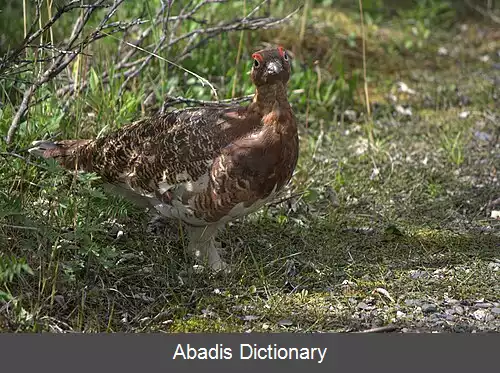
(63, 59)
(170, 101)
(129, 62)
(483, 12)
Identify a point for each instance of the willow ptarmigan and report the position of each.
(204, 166)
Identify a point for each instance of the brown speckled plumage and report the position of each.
(204, 166)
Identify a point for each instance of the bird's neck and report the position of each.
(271, 97)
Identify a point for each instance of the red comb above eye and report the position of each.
(258, 57)
(282, 51)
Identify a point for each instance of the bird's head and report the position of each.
(270, 66)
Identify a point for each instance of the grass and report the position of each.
(392, 202)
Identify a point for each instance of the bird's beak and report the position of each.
(274, 68)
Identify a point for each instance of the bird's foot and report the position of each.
(210, 256)
(220, 267)
(215, 262)
(205, 248)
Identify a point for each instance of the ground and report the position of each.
(388, 222)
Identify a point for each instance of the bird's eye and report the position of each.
(285, 56)
(256, 63)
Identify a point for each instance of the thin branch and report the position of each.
(129, 63)
(483, 12)
(170, 101)
(64, 59)
(380, 329)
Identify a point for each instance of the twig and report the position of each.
(380, 329)
(199, 77)
(186, 13)
(71, 50)
(18, 156)
(483, 12)
(170, 101)
(19, 227)
(128, 63)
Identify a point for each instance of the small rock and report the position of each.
(403, 87)
(415, 274)
(494, 266)
(464, 114)
(285, 323)
(495, 214)
(452, 301)
(249, 318)
(400, 314)
(489, 317)
(442, 51)
(450, 311)
(436, 317)
(496, 310)
(483, 305)
(350, 115)
(479, 314)
(403, 111)
(363, 306)
(483, 136)
(450, 317)
(429, 308)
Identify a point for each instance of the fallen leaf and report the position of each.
(384, 292)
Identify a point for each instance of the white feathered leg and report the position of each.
(202, 244)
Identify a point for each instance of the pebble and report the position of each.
(350, 115)
(363, 306)
(416, 274)
(489, 317)
(493, 266)
(249, 318)
(484, 305)
(285, 323)
(479, 314)
(429, 308)
(496, 310)
(450, 317)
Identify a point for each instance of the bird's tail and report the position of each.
(65, 152)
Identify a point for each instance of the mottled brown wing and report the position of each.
(163, 151)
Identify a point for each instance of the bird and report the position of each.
(204, 165)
